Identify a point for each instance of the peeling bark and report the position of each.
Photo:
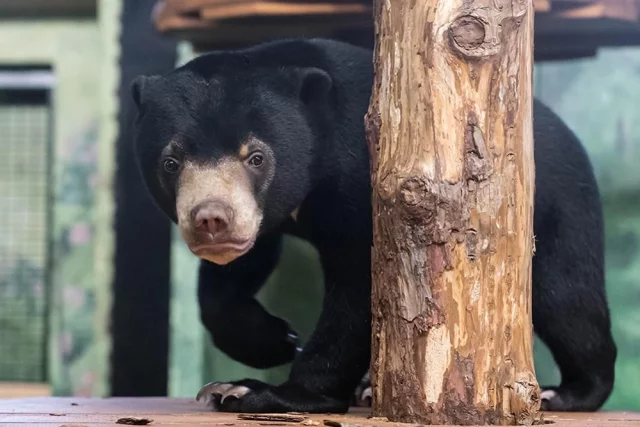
(451, 139)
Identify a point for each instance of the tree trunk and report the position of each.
(451, 137)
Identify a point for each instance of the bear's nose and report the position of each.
(211, 216)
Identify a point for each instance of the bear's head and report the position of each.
(227, 148)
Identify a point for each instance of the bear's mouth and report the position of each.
(237, 247)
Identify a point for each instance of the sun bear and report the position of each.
(242, 147)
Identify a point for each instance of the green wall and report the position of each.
(83, 57)
(599, 100)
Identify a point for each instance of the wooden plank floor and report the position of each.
(78, 412)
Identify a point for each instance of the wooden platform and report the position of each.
(564, 29)
(78, 412)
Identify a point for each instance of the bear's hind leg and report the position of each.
(571, 316)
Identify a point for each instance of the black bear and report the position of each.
(240, 147)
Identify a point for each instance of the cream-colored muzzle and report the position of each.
(227, 181)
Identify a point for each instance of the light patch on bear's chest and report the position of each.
(294, 214)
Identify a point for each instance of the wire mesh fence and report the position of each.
(24, 178)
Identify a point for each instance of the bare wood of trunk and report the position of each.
(451, 138)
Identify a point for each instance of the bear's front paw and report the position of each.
(252, 396)
(577, 398)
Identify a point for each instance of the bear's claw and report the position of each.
(219, 390)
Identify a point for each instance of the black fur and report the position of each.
(307, 99)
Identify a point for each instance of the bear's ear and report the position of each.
(137, 90)
(315, 85)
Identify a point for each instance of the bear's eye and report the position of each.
(171, 166)
(256, 160)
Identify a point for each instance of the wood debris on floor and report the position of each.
(78, 412)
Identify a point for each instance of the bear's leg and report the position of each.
(363, 393)
(571, 316)
(325, 374)
(238, 324)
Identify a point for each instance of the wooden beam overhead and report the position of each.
(47, 9)
(581, 27)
